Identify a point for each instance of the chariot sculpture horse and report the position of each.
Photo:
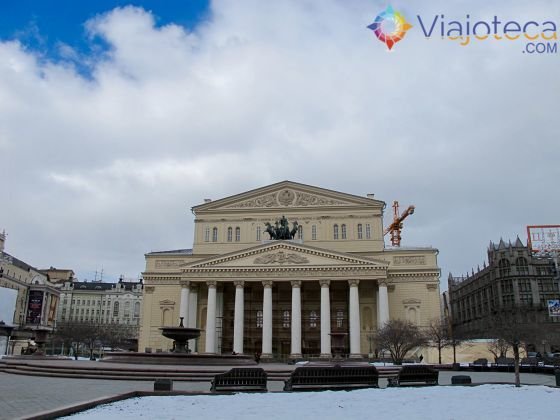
(281, 230)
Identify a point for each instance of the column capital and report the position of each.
(194, 287)
(324, 283)
(296, 283)
(267, 283)
(212, 283)
(149, 289)
(239, 283)
(353, 283)
(184, 283)
(382, 282)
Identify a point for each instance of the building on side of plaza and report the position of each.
(102, 303)
(28, 295)
(282, 298)
(513, 280)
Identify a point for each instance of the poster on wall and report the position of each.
(52, 310)
(554, 307)
(34, 307)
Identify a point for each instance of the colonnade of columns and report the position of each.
(238, 326)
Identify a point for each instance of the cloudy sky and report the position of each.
(116, 119)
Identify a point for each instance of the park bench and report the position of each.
(411, 375)
(333, 377)
(240, 379)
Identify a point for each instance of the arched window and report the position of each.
(360, 233)
(368, 231)
(504, 267)
(258, 233)
(166, 318)
(522, 267)
(207, 234)
(314, 232)
(339, 318)
(115, 309)
(313, 319)
(215, 234)
(335, 232)
(300, 232)
(343, 228)
(259, 319)
(412, 316)
(286, 319)
(237, 234)
(229, 234)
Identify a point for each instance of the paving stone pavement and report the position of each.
(23, 396)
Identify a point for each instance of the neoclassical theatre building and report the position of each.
(332, 284)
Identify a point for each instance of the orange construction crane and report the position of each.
(396, 227)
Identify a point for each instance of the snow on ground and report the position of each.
(440, 402)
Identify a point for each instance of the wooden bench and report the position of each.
(411, 375)
(312, 378)
(240, 379)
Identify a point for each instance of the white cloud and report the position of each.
(97, 171)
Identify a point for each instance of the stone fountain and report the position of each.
(180, 336)
(181, 354)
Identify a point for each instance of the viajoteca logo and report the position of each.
(538, 36)
(390, 27)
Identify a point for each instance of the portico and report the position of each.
(276, 321)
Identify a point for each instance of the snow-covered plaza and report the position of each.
(440, 402)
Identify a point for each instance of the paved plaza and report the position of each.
(24, 396)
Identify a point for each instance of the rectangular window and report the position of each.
(313, 319)
(314, 232)
(360, 233)
(207, 234)
(237, 234)
(215, 234)
(368, 231)
(258, 233)
(286, 319)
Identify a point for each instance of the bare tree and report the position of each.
(117, 336)
(511, 325)
(438, 337)
(399, 337)
(499, 348)
(73, 335)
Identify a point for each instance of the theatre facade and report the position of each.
(329, 287)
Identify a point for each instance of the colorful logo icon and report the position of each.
(390, 27)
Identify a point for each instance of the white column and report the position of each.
(238, 318)
(184, 306)
(296, 320)
(211, 318)
(267, 320)
(354, 313)
(383, 305)
(325, 320)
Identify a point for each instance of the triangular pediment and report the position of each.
(288, 194)
(285, 254)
